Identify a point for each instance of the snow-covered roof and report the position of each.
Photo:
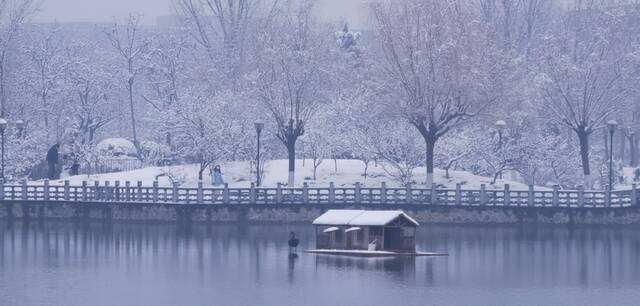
(379, 217)
(337, 217)
(361, 217)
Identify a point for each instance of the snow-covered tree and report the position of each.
(292, 78)
(131, 43)
(435, 63)
(582, 75)
(13, 16)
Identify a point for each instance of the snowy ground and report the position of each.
(629, 176)
(238, 174)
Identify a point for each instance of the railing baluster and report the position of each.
(507, 195)
(139, 192)
(332, 193)
(199, 196)
(46, 190)
(225, 194)
(66, 190)
(252, 193)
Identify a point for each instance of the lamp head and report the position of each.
(612, 125)
(259, 125)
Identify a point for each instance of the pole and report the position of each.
(611, 159)
(258, 162)
(500, 149)
(2, 132)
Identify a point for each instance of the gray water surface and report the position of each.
(60, 263)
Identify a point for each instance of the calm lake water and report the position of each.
(150, 264)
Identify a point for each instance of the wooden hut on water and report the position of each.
(379, 230)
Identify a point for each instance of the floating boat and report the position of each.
(367, 233)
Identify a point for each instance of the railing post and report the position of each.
(107, 192)
(139, 192)
(127, 191)
(507, 195)
(84, 191)
(531, 196)
(607, 197)
(2, 190)
(556, 196)
(96, 195)
(634, 195)
(332, 193)
(116, 190)
(252, 193)
(66, 190)
(155, 191)
(357, 194)
(25, 192)
(580, 196)
(225, 194)
(305, 192)
(458, 194)
(383, 193)
(408, 197)
(46, 190)
(483, 194)
(434, 194)
(200, 193)
(279, 193)
(175, 193)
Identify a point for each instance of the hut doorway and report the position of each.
(393, 237)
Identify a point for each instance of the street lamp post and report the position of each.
(611, 125)
(3, 126)
(259, 125)
(500, 126)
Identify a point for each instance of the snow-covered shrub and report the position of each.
(153, 153)
(114, 147)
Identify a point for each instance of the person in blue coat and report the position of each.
(216, 176)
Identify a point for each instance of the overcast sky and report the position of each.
(106, 10)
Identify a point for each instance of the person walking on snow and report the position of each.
(52, 161)
(216, 176)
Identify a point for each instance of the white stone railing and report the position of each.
(383, 195)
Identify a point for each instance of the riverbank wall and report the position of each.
(290, 213)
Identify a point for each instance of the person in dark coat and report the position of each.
(293, 243)
(52, 161)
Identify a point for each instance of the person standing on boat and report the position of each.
(216, 176)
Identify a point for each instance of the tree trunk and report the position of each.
(315, 167)
(132, 111)
(583, 137)
(605, 137)
(3, 94)
(431, 143)
(623, 147)
(633, 147)
(366, 167)
(291, 152)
